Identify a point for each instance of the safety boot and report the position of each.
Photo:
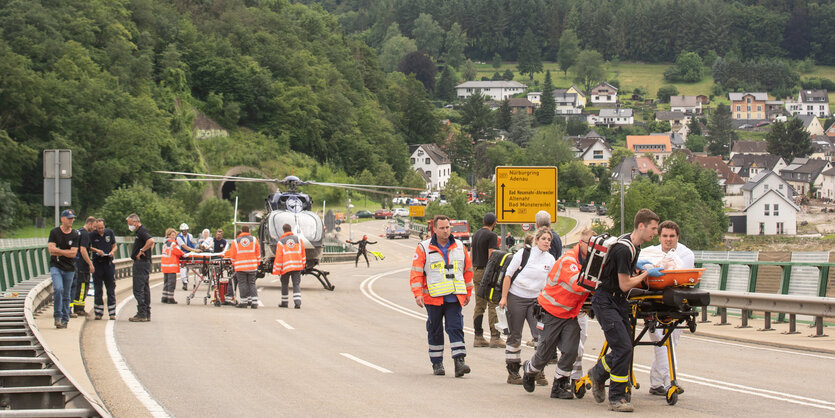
(529, 377)
(461, 368)
(438, 369)
(282, 305)
(541, 380)
(561, 389)
(597, 386)
(513, 377)
(496, 342)
(621, 405)
(479, 341)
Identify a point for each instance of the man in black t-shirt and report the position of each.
(483, 243)
(103, 249)
(141, 256)
(83, 268)
(63, 247)
(612, 311)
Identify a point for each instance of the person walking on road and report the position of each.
(103, 249)
(63, 247)
(187, 244)
(484, 242)
(289, 262)
(612, 310)
(361, 250)
(442, 282)
(83, 268)
(171, 254)
(141, 255)
(526, 276)
(509, 241)
(245, 253)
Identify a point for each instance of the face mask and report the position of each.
(132, 228)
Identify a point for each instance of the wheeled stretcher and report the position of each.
(216, 272)
(668, 309)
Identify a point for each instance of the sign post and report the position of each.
(57, 174)
(521, 192)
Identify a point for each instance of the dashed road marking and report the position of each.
(365, 363)
(284, 324)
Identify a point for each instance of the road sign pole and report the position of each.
(57, 189)
(621, 203)
(502, 238)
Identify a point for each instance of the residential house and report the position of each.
(748, 166)
(748, 106)
(521, 105)
(604, 93)
(810, 102)
(581, 97)
(823, 147)
(633, 167)
(204, 127)
(494, 90)
(658, 146)
(771, 213)
(592, 149)
(749, 147)
(676, 118)
(730, 182)
(827, 189)
(567, 103)
(433, 163)
(676, 139)
(690, 105)
(762, 183)
(536, 96)
(803, 172)
(811, 124)
(612, 117)
(774, 108)
(831, 130)
(680, 134)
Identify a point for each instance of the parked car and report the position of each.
(601, 210)
(400, 212)
(364, 214)
(745, 126)
(383, 214)
(763, 123)
(588, 208)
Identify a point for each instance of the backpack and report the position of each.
(493, 278)
(599, 246)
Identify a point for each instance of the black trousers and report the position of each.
(612, 315)
(80, 286)
(364, 254)
(104, 278)
(141, 288)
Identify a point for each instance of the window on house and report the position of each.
(759, 108)
(775, 209)
(780, 228)
(412, 161)
(749, 100)
(766, 187)
(420, 153)
(440, 173)
(762, 228)
(766, 209)
(426, 161)
(429, 174)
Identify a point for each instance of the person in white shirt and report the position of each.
(668, 234)
(519, 292)
(206, 243)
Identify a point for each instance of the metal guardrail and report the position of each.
(786, 304)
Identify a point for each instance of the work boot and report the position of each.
(59, 324)
(282, 305)
(81, 312)
(479, 341)
(513, 377)
(541, 380)
(241, 306)
(112, 317)
(138, 318)
(73, 315)
(621, 405)
(561, 389)
(461, 368)
(438, 369)
(297, 306)
(98, 317)
(531, 343)
(529, 377)
(254, 306)
(185, 286)
(658, 391)
(496, 342)
(172, 301)
(597, 387)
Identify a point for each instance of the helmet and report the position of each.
(365, 237)
(183, 226)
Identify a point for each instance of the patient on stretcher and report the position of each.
(668, 261)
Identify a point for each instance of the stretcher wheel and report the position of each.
(580, 391)
(692, 325)
(217, 302)
(188, 300)
(672, 397)
(637, 385)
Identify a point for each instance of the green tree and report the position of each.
(477, 117)
(497, 61)
(469, 72)
(576, 126)
(8, 207)
(588, 70)
(665, 92)
(688, 68)
(549, 147)
(454, 44)
(694, 126)
(155, 213)
(428, 35)
(504, 116)
(721, 131)
(575, 178)
(520, 129)
(569, 49)
(658, 126)
(421, 67)
(214, 213)
(548, 106)
(789, 140)
(695, 143)
(508, 74)
(394, 50)
(445, 89)
(456, 196)
(496, 76)
(530, 59)
(618, 154)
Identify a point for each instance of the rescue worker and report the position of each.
(659, 376)
(561, 301)
(187, 244)
(361, 251)
(612, 310)
(63, 247)
(141, 256)
(245, 253)
(103, 248)
(442, 281)
(83, 268)
(484, 242)
(289, 262)
(171, 254)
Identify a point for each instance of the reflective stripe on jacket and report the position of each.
(562, 296)
(244, 252)
(171, 254)
(443, 277)
(289, 254)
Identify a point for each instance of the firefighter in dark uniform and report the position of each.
(612, 311)
(83, 268)
(103, 250)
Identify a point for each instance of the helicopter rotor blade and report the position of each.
(346, 185)
(370, 190)
(218, 177)
(236, 179)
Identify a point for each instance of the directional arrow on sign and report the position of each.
(503, 209)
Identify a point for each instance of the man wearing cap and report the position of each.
(484, 242)
(187, 244)
(63, 247)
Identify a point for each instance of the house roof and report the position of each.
(812, 166)
(646, 165)
(722, 170)
(433, 151)
(750, 147)
(577, 90)
(684, 101)
(593, 134)
(806, 119)
(615, 113)
(739, 96)
(606, 85)
(667, 115)
(490, 84)
(785, 199)
(751, 184)
(830, 172)
(814, 96)
(632, 140)
(584, 143)
(423, 174)
(746, 161)
(519, 102)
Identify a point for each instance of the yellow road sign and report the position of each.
(417, 211)
(521, 192)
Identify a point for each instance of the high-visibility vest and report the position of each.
(171, 254)
(289, 254)
(244, 252)
(562, 296)
(434, 277)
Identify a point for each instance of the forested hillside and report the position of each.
(118, 81)
(638, 30)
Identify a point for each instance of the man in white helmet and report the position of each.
(187, 244)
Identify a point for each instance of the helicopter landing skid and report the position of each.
(321, 275)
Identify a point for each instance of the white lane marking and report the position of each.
(284, 324)
(124, 371)
(275, 281)
(825, 357)
(365, 363)
(367, 289)
(261, 304)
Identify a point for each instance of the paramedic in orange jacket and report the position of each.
(245, 254)
(289, 262)
(561, 301)
(171, 254)
(442, 282)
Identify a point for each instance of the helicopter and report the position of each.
(289, 207)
